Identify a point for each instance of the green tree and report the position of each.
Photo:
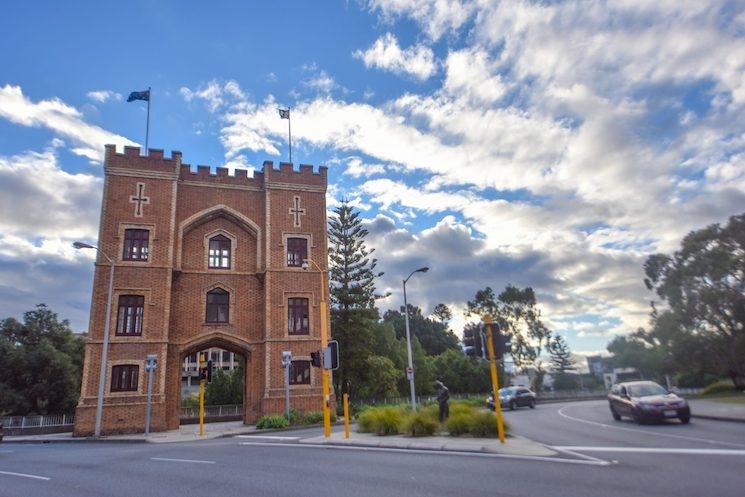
(561, 362)
(226, 387)
(434, 336)
(442, 313)
(352, 280)
(42, 364)
(385, 375)
(703, 285)
(516, 312)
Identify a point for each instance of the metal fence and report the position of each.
(224, 411)
(46, 423)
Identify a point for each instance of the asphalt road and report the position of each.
(705, 458)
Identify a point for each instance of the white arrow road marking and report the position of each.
(268, 437)
(646, 432)
(167, 459)
(653, 450)
(591, 461)
(24, 475)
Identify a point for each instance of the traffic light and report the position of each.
(331, 355)
(315, 359)
(472, 342)
(501, 341)
(209, 371)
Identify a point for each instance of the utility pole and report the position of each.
(410, 368)
(286, 363)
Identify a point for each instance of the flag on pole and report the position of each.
(284, 113)
(139, 95)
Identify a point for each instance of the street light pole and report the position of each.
(410, 369)
(105, 351)
(324, 343)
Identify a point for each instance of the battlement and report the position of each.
(155, 160)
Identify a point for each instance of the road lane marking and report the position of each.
(24, 475)
(167, 459)
(6, 451)
(584, 461)
(682, 437)
(654, 450)
(568, 450)
(268, 437)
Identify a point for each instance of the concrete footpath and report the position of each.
(720, 409)
(514, 445)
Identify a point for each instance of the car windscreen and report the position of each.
(645, 389)
(505, 391)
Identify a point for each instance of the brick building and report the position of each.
(204, 260)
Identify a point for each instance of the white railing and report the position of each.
(212, 411)
(40, 421)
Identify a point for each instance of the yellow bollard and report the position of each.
(346, 415)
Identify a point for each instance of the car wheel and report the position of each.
(615, 415)
(532, 404)
(635, 416)
(512, 405)
(685, 419)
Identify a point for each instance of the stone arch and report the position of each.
(220, 210)
(217, 339)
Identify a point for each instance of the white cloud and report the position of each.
(215, 94)
(102, 96)
(321, 82)
(417, 61)
(436, 17)
(60, 118)
(357, 168)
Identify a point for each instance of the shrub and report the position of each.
(267, 422)
(419, 424)
(380, 420)
(720, 386)
(459, 424)
(461, 408)
(483, 424)
(313, 417)
(190, 401)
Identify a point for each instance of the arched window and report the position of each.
(218, 306)
(219, 254)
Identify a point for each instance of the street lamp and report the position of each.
(324, 344)
(410, 369)
(105, 351)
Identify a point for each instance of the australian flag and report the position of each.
(284, 113)
(139, 95)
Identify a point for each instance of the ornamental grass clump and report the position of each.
(380, 420)
(268, 422)
(459, 424)
(419, 424)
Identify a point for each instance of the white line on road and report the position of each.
(268, 437)
(6, 451)
(646, 432)
(166, 459)
(654, 450)
(24, 475)
(586, 461)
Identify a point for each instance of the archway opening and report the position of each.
(225, 396)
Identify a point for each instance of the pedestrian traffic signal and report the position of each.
(315, 359)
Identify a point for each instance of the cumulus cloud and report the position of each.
(215, 94)
(61, 118)
(386, 54)
(102, 96)
(436, 17)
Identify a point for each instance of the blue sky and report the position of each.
(554, 145)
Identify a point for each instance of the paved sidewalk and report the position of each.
(513, 445)
(712, 409)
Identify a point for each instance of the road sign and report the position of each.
(409, 374)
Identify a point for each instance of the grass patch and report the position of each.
(381, 420)
(719, 387)
(419, 424)
(269, 422)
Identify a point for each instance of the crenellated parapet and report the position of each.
(131, 162)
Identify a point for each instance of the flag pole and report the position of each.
(289, 130)
(147, 126)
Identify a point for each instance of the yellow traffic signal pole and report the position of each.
(324, 343)
(494, 378)
(202, 365)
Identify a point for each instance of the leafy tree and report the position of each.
(516, 312)
(42, 364)
(462, 374)
(385, 375)
(226, 387)
(443, 313)
(434, 336)
(352, 286)
(703, 285)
